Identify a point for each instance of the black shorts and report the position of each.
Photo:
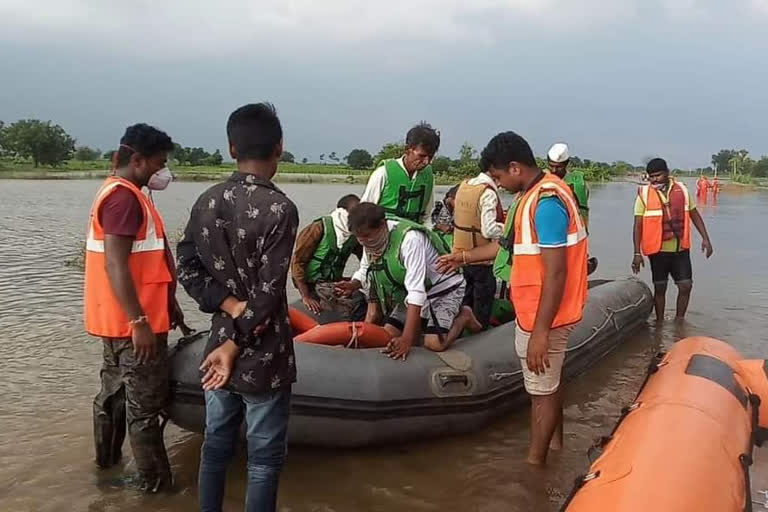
(675, 264)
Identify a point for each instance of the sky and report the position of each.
(615, 79)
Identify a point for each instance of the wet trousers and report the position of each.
(132, 394)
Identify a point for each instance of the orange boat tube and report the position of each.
(348, 334)
(686, 442)
(300, 321)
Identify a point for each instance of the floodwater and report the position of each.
(49, 370)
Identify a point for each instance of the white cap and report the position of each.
(558, 153)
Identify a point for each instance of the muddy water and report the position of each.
(49, 370)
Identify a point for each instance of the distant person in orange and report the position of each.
(715, 187)
(664, 213)
(702, 186)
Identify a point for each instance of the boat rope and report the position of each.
(353, 340)
(497, 376)
(608, 319)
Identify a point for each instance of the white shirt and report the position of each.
(489, 199)
(378, 181)
(419, 258)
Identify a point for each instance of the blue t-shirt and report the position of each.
(551, 221)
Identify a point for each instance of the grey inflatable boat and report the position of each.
(358, 397)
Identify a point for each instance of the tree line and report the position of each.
(48, 144)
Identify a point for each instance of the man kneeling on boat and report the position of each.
(400, 260)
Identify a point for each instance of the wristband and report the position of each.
(638, 254)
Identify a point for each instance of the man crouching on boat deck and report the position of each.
(399, 259)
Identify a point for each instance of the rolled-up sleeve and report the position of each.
(489, 227)
(362, 273)
(413, 252)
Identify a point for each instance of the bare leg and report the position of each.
(546, 411)
(465, 319)
(683, 297)
(556, 444)
(659, 297)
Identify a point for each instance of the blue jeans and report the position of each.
(266, 419)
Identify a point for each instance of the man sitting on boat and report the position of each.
(321, 253)
(400, 262)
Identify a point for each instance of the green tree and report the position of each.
(43, 142)
(86, 154)
(196, 156)
(322, 158)
(333, 157)
(287, 157)
(108, 155)
(467, 162)
(215, 159)
(760, 169)
(359, 159)
(304, 160)
(441, 165)
(179, 153)
(389, 150)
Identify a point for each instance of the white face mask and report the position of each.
(160, 180)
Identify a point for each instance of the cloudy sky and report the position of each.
(616, 79)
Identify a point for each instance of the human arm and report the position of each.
(489, 227)
(375, 186)
(637, 235)
(401, 345)
(426, 218)
(347, 288)
(706, 244)
(117, 250)
(551, 221)
(306, 244)
(455, 260)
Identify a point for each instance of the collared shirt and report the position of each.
(490, 228)
(419, 258)
(238, 242)
(306, 245)
(378, 181)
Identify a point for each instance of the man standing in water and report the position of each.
(404, 186)
(234, 261)
(664, 211)
(548, 282)
(130, 303)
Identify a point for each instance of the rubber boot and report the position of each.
(154, 469)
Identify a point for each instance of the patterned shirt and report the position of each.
(238, 242)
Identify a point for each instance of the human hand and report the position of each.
(637, 262)
(233, 307)
(537, 357)
(346, 288)
(706, 247)
(218, 366)
(144, 342)
(312, 304)
(449, 262)
(398, 348)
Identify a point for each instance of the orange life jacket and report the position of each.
(148, 265)
(527, 264)
(657, 212)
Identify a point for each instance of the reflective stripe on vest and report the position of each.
(527, 275)
(147, 264)
(653, 219)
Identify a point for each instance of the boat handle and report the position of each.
(451, 378)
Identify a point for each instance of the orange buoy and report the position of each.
(349, 334)
(300, 321)
(686, 442)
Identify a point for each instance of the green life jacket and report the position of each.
(575, 180)
(502, 265)
(328, 262)
(446, 238)
(387, 275)
(405, 197)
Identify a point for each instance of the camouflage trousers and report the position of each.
(132, 394)
(352, 307)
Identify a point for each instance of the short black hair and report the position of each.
(452, 192)
(347, 201)
(504, 148)
(142, 139)
(254, 131)
(656, 165)
(366, 216)
(425, 136)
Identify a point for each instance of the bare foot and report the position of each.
(473, 325)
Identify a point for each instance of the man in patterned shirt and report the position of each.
(234, 262)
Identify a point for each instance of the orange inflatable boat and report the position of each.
(348, 334)
(685, 444)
